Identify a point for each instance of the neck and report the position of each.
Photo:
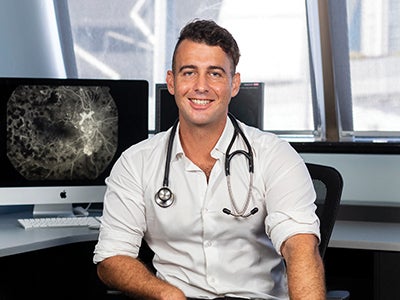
(199, 139)
(197, 143)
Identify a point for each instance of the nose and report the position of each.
(201, 84)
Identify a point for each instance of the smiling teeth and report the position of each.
(200, 102)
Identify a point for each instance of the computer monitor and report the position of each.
(59, 138)
(247, 105)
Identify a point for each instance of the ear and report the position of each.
(170, 82)
(235, 84)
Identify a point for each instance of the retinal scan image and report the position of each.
(61, 133)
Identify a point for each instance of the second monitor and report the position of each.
(247, 105)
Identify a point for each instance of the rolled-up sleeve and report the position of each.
(282, 225)
(290, 199)
(112, 243)
(123, 221)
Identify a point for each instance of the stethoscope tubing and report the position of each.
(169, 153)
(248, 154)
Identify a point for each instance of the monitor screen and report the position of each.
(59, 138)
(247, 105)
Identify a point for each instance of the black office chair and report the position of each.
(328, 185)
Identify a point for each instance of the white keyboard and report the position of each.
(48, 222)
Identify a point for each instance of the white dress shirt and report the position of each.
(197, 247)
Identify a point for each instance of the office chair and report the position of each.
(328, 185)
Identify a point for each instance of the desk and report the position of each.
(379, 245)
(364, 258)
(14, 239)
(39, 262)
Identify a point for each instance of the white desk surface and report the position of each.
(346, 234)
(15, 239)
(366, 235)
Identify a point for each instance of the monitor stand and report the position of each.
(53, 210)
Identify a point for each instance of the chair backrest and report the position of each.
(328, 185)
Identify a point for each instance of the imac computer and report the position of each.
(247, 106)
(59, 138)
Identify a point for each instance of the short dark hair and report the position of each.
(209, 33)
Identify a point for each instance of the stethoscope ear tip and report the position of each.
(226, 211)
(254, 211)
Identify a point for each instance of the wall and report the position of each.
(30, 45)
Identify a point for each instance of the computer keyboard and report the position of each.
(49, 222)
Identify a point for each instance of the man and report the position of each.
(209, 241)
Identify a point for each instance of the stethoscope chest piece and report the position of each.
(164, 197)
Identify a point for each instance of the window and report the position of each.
(135, 39)
(368, 55)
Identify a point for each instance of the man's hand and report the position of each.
(130, 276)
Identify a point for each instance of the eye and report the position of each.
(216, 74)
(188, 73)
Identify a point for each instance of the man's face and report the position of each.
(202, 83)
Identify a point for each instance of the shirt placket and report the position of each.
(210, 231)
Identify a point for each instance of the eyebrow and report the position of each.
(209, 68)
(187, 67)
(217, 68)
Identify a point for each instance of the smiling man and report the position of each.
(235, 215)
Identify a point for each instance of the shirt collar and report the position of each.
(224, 139)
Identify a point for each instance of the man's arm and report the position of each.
(305, 269)
(132, 277)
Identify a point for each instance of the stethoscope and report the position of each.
(165, 198)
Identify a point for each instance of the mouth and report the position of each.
(200, 101)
